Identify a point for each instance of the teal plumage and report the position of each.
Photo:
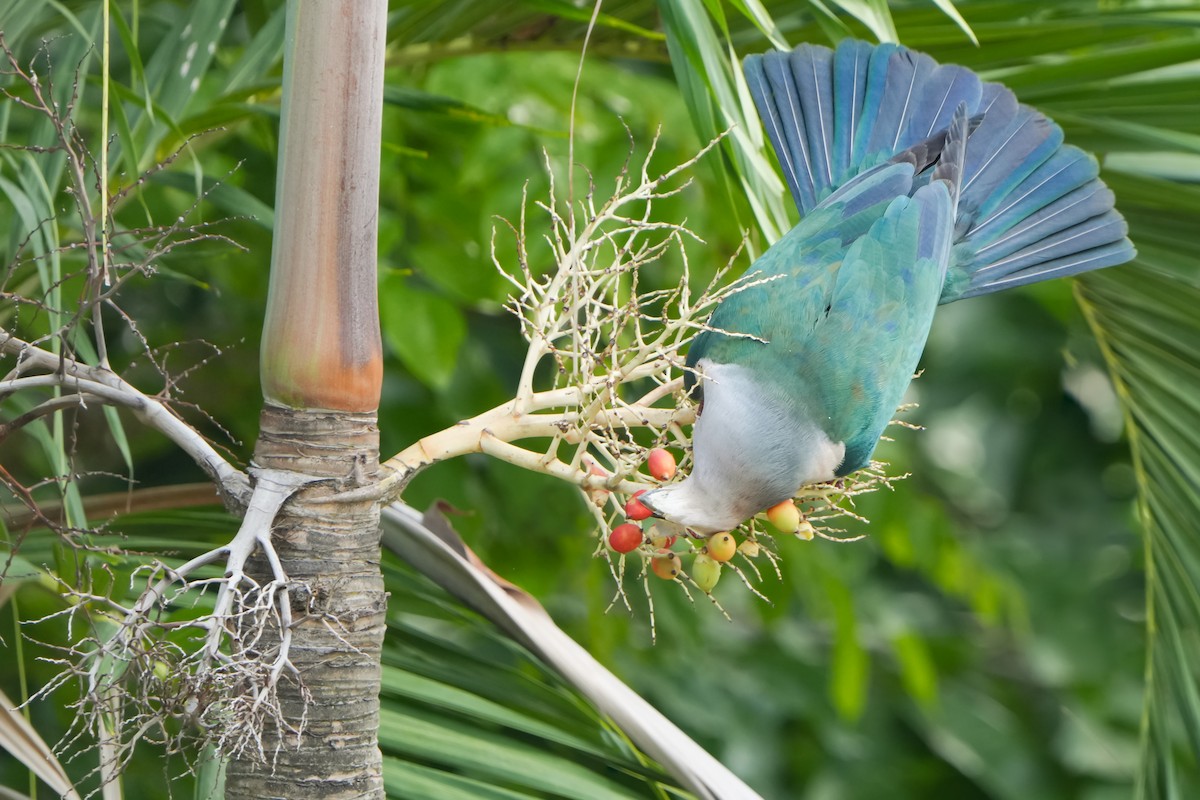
(917, 184)
(855, 296)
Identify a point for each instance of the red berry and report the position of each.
(625, 538)
(634, 509)
(661, 464)
(721, 546)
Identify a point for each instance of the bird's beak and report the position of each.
(647, 499)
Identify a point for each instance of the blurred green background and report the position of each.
(986, 640)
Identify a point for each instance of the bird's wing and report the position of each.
(861, 356)
(791, 283)
(839, 326)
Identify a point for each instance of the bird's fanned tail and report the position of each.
(1029, 207)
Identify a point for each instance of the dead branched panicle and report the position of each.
(605, 351)
(604, 356)
(80, 278)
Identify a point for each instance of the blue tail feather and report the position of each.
(906, 75)
(948, 87)
(1069, 167)
(850, 63)
(1007, 159)
(877, 69)
(812, 71)
(771, 86)
(1081, 237)
(1029, 207)
(1109, 255)
(1087, 202)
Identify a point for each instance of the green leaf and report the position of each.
(263, 52)
(15, 568)
(183, 56)
(423, 329)
(573, 11)
(416, 100)
(493, 755)
(447, 698)
(405, 780)
(1153, 352)
(850, 667)
(117, 430)
(916, 668)
(875, 14)
(947, 7)
(232, 200)
(710, 77)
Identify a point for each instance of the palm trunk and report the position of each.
(321, 376)
(331, 553)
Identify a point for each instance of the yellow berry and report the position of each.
(806, 531)
(749, 548)
(784, 516)
(721, 546)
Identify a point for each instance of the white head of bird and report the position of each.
(749, 452)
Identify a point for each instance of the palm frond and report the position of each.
(1144, 317)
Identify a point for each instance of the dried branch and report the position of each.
(38, 368)
(156, 678)
(604, 335)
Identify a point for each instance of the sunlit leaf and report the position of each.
(424, 330)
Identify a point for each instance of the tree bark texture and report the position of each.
(331, 554)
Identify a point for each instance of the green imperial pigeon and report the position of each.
(918, 184)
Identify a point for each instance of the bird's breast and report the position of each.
(752, 446)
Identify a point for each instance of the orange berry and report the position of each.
(665, 565)
(661, 464)
(625, 538)
(721, 546)
(784, 516)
